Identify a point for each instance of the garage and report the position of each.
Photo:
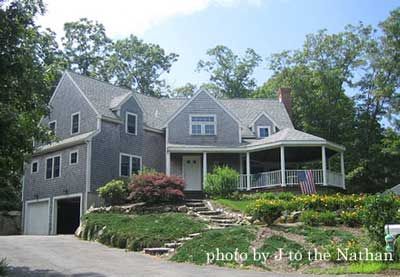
(37, 217)
(67, 215)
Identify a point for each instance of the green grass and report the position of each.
(235, 205)
(320, 236)
(140, 231)
(226, 240)
(358, 268)
(3, 267)
(274, 243)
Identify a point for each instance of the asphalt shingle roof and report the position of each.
(157, 111)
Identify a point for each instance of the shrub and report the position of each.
(221, 182)
(3, 267)
(350, 246)
(114, 192)
(350, 218)
(266, 210)
(313, 218)
(377, 211)
(154, 187)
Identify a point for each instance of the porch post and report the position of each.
(324, 172)
(342, 169)
(248, 170)
(283, 177)
(168, 163)
(204, 168)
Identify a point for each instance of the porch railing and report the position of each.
(273, 178)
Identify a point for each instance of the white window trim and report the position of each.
(263, 127)
(37, 168)
(77, 157)
(52, 170)
(126, 123)
(130, 162)
(203, 131)
(79, 122)
(55, 125)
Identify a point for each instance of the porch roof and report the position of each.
(285, 137)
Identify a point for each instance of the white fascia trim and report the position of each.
(150, 129)
(126, 123)
(79, 123)
(125, 99)
(110, 119)
(83, 94)
(252, 124)
(54, 213)
(264, 127)
(36, 201)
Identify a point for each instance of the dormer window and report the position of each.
(75, 123)
(131, 123)
(203, 125)
(53, 126)
(263, 131)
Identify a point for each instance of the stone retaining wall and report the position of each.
(10, 223)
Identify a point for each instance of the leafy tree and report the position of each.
(230, 75)
(186, 91)
(86, 47)
(26, 76)
(139, 65)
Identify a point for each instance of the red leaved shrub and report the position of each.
(154, 187)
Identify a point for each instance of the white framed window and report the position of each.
(131, 123)
(73, 157)
(129, 164)
(203, 125)
(75, 123)
(263, 131)
(53, 167)
(53, 126)
(34, 167)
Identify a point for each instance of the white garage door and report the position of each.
(37, 218)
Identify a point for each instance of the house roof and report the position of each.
(106, 97)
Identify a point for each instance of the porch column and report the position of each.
(168, 163)
(342, 169)
(204, 168)
(283, 177)
(248, 170)
(324, 172)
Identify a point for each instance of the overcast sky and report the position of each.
(190, 27)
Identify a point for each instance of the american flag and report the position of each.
(306, 181)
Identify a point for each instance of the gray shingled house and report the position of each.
(106, 132)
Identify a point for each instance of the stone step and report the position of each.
(194, 235)
(173, 245)
(184, 239)
(195, 204)
(158, 250)
(218, 217)
(226, 220)
(209, 212)
(194, 200)
(200, 209)
(225, 225)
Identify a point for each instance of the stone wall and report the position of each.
(10, 223)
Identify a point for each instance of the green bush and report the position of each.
(351, 246)
(314, 218)
(350, 218)
(266, 210)
(221, 182)
(114, 192)
(3, 267)
(377, 211)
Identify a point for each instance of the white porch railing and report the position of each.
(273, 179)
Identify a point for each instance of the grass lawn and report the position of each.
(358, 268)
(226, 240)
(140, 231)
(235, 205)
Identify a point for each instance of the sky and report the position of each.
(191, 27)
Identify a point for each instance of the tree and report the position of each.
(86, 47)
(138, 65)
(186, 91)
(26, 77)
(231, 75)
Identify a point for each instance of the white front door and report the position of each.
(191, 167)
(37, 218)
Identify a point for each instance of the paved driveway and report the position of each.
(68, 256)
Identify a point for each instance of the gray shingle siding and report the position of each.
(72, 179)
(227, 127)
(264, 121)
(66, 101)
(154, 151)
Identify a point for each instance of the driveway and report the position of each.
(68, 256)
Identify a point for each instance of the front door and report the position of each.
(191, 167)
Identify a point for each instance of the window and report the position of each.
(264, 131)
(35, 167)
(75, 118)
(73, 157)
(130, 123)
(53, 126)
(129, 164)
(53, 167)
(203, 125)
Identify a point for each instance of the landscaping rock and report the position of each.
(183, 209)
(10, 223)
(158, 250)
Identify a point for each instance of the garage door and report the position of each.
(37, 218)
